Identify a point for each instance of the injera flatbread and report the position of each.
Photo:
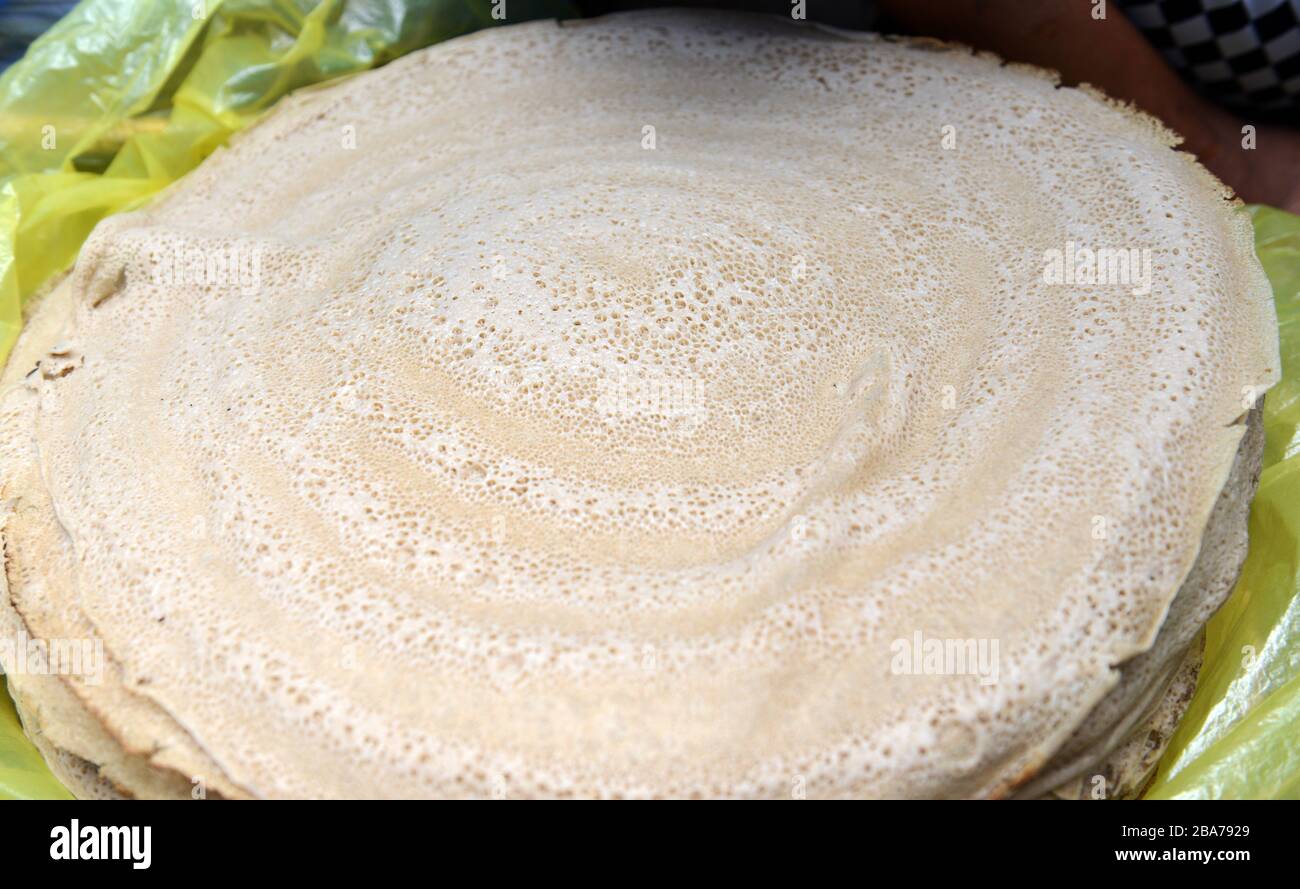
(611, 403)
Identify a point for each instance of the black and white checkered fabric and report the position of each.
(1244, 53)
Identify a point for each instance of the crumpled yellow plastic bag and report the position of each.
(121, 98)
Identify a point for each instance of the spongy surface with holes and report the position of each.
(594, 409)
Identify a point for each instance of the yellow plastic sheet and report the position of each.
(123, 97)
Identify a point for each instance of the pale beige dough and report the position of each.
(600, 423)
